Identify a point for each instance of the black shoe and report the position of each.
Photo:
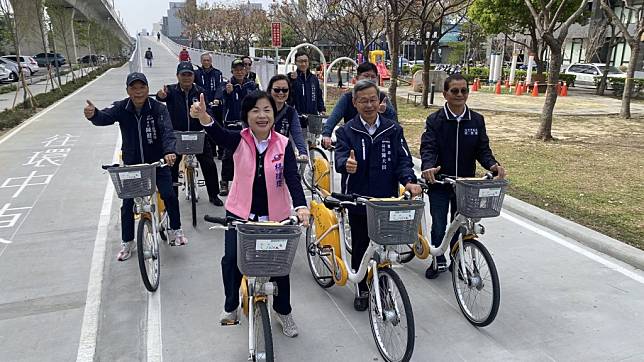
(361, 303)
(441, 266)
(223, 187)
(216, 201)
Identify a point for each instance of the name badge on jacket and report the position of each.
(471, 131)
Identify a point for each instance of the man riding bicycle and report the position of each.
(372, 156)
(455, 125)
(147, 137)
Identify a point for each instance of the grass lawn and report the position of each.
(593, 174)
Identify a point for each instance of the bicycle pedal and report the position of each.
(441, 267)
(201, 183)
(229, 323)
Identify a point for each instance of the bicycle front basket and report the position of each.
(480, 198)
(190, 142)
(134, 181)
(315, 124)
(394, 222)
(266, 250)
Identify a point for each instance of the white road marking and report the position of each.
(154, 340)
(5, 241)
(590, 255)
(46, 110)
(91, 315)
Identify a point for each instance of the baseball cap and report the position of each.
(134, 76)
(237, 62)
(185, 67)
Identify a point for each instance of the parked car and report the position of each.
(13, 67)
(89, 58)
(5, 73)
(52, 57)
(585, 73)
(26, 61)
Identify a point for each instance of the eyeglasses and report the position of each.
(456, 91)
(280, 90)
(364, 102)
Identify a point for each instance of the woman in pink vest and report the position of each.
(264, 183)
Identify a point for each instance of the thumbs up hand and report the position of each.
(352, 164)
(89, 110)
(382, 107)
(163, 93)
(198, 110)
(229, 87)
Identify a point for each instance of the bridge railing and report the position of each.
(135, 59)
(264, 68)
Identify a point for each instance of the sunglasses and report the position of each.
(456, 91)
(280, 90)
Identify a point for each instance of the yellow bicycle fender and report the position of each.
(321, 174)
(340, 275)
(244, 295)
(421, 247)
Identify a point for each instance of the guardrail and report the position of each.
(135, 59)
(263, 67)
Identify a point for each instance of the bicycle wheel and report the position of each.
(394, 332)
(190, 180)
(477, 291)
(148, 254)
(310, 177)
(263, 334)
(321, 267)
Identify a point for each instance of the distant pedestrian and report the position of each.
(149, 57)
(158, 36)
(184, 56)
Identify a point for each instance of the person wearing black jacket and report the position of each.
(250, 75)
(147, 137)
(372, 156)
(179, 97)
(211, 80)
(451, 132)
(306, 94)
(148, 57)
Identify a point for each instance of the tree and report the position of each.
(436, 18)
(633, 40)
(309, 20)
(553, 31)
(9, 20)
(355, 22)
(396, 12)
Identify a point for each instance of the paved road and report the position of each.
(560, 301)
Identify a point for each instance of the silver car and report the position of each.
(13, 67)
(26, 61)
(5, 73)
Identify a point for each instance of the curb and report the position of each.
(588, 237)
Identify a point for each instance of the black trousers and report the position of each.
(359, 243)
(169, 197)
(208, 167)
(232, 278)
(442, 200)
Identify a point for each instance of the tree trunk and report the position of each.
(625, 112)
(545, 128)
(394, 41)
(426, 63)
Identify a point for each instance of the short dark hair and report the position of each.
(367, 67)
(301, 53)
(250, 101)
(275, 79)
(453, 78)
(247, 57)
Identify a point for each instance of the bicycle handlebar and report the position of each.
(160, 163)
(229, 222)
(449, 180)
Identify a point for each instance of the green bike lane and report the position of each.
(559, 300)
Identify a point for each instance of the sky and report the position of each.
(141, 14)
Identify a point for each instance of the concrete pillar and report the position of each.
(513, 67)
(528, 76)
(492, 68)
(30, 40)
(62, 18)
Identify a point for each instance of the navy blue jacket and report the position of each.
(344, 109)
(149, 134)
(179, 103)
(438, 143)
(211, 81)
(306, 95)
(287, 124)
(384, 160)
(232, 101)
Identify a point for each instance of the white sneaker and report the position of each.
(289, 328)
(179, 238)
(126, 250)
(227, 318)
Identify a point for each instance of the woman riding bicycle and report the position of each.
(262, 188)
(287, 122)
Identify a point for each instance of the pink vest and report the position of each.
(240, 196)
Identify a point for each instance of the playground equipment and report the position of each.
(328, 69)
(377, 57)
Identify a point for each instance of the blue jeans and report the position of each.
(169, 197)
(442, 200)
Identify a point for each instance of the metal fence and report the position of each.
(135, 59)
(264, 68)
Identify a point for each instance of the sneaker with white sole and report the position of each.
(126, 250)
(228, 318)
(289, 328)
(179, 238)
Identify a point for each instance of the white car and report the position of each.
(585, 73)
(5, 74)
(13, 67)
(26, 61)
